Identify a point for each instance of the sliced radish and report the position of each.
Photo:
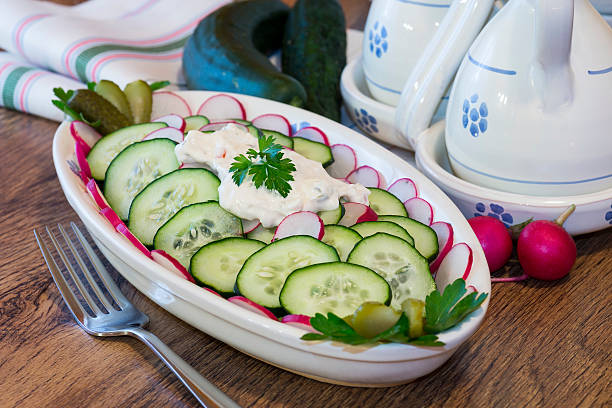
(212, 291)
(82, 132)
(456, 264)
(272, 121)
(355, 213)
(419, 210)
(222, 107)
(300, 223)
(96, 194)
(366, 176)
(312, 133)
(299, 321)
(169, 262)
(112, 217)
(345, 161)
(122, 229)
(214, 126)
(445, 234)
(81, 156)
(252, 306)
(166, 102)
(171, 133)
(250, 225)
(404, 189)
(173, 120)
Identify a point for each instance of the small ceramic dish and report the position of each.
(593, 211)
(374, 118)
(269, 340)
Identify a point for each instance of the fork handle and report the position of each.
(205, 392)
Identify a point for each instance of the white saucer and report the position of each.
(593, 211)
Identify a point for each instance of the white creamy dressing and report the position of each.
(311, 190)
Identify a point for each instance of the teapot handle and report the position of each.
(437, 66)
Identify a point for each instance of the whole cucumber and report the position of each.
(227, 52)
(314, 53)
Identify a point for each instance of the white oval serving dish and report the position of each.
(593, 211)
(268, 340)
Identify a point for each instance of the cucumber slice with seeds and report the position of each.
(331, 217)
(134, 168)
(262, 234)
(107, 148)
(164, 197)
(425, 238)
(335, 287)
(367, 228)
(312, 150)
(193, 227)
(195, 122)
(385, 203)
(402, 266)
(342, 238)
(279, 138)
(263, 274)
(217, 263)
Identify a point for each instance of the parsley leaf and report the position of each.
(62, 104)
(443, 310)
(267, 166)
(158, 85)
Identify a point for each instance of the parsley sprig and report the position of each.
(442, 311)
(267, 166)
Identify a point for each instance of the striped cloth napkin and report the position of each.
(49, 45)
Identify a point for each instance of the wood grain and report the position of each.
(541, 345)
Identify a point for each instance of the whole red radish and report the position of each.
(545, 250)
(494, 239)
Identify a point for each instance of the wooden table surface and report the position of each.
(541, 344)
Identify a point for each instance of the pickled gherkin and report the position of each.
(95, 108)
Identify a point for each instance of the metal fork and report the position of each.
(121, 319)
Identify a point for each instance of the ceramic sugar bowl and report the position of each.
(530, 107)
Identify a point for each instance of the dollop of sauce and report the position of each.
(312, 189)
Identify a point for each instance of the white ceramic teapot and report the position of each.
(530, 110)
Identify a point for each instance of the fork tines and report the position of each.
(75, 266)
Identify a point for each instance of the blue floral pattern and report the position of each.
(366, 121)
(495, 211)
(475, 116)
(608, 216)
(377, 38)
(297, 126)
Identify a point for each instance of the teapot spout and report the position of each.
(553, 77)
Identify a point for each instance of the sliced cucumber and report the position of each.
(335, 287)
(134, 168)
(195, 122)
(342, 238)
(279, 138)
(367, 228)
(332, 216)
(385, 203)
(402, 266)
(217, 263)
(425, 238)
(193, 227)
(262, 234)
(164, 197)
(313, 150)
(107, 148)
(263, 274)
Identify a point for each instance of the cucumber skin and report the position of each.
(314, 53)
(226, 52)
